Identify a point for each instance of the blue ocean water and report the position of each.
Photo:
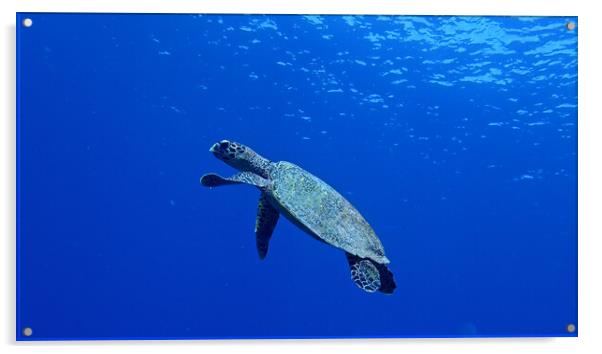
(455, 137)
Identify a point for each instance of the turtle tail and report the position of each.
(370, 276)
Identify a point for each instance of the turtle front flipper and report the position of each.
(369, 275)
(267, 217)
(215, 180)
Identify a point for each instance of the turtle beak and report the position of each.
(219, 146)
(213, 147)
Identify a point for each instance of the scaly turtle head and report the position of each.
(241, 157)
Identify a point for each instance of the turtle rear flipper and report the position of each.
(267, 217)
(369, 275)
(215, 180)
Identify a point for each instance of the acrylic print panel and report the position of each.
(433, 191)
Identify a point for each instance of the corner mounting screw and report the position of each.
(27, 331)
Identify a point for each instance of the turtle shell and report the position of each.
(320, 210)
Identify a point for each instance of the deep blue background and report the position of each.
(454, 136)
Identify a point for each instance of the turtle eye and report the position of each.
(223, 145)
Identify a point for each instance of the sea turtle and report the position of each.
(312, 205)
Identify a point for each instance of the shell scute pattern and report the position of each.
(327, 214)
